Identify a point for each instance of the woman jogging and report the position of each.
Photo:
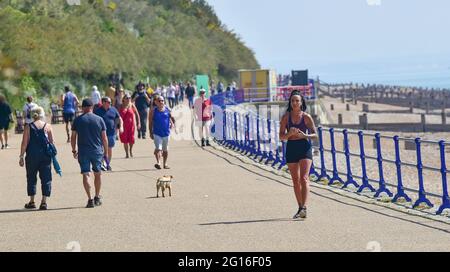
(297, 127)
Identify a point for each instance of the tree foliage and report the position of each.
(52, 42)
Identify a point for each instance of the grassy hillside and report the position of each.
(45, 44)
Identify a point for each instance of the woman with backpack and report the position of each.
(36, 137)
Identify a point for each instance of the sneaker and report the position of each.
(90, 204)
(3, 146)
(297, 215)
(303, 213)
(203, 142)
(109, 169)
(7, 146)
(98, 201)
(143, 137)
(103, 168)
(207, 143)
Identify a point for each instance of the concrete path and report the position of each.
(218, 204)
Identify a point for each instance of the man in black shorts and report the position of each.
(5, 120)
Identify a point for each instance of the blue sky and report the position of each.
(356, 39)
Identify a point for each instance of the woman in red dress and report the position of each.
(131, 120)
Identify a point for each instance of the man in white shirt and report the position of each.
(27, 110)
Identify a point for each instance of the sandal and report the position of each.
(43, 207)
(157, 166)
(30, 206)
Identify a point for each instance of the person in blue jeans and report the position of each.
(89, 135)
(112, 118)
(69, 102)
(37, 159)
(190, 93)
(160, 122)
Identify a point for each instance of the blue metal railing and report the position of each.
(258, 138)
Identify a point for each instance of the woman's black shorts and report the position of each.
(298, 150)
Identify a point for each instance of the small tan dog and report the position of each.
(164, 183)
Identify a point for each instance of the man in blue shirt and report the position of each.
(89, 132)
(112, 120)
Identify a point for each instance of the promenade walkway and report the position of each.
(218, 204)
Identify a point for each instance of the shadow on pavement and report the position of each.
(37, 210)
(249, 222)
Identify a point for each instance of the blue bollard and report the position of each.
(382, 187)
(445, 197)
(323, 170)
(422, 193)
(400, 189)
(335, 176)
(269, 132)
(350, 180)
(365, 179)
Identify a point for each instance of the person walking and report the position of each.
(142, 102)
(297, 127)
(203, 116)
(35, 138)
(29, 105)
(89, 135)
(130, 116)
(190, 92)
(5, 120)
(171, 95)
(69, 102)
(112, 120)
(96, 97)
(160, 121)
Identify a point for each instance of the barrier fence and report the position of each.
(258, 138)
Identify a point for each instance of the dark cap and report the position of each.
(87, 103)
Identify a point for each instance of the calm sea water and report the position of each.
(417, 75)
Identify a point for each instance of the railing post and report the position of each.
(247, 134)
(235, 141)
(283, 162)
(365, 179)
(422, 193)
(382, 187)
(333, 156)
(269, 132)
(400, 189)
(264, 143)
(323, 170)
(224, 132)
(258, 138)
(254, 132)
(350, 179)
(445, 197)
(313, 170)
(276, 125)
(241, 133)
